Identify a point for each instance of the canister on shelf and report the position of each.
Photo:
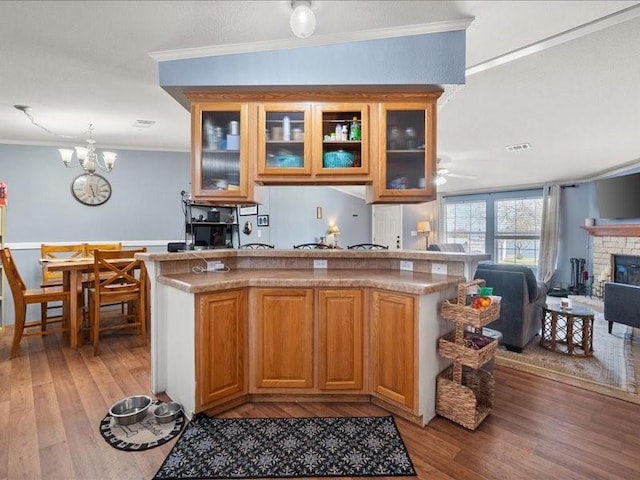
(286, 129)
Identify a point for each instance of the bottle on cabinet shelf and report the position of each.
(345, 132)
(354, 132)
(286, 129)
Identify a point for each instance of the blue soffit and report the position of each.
(426, 59)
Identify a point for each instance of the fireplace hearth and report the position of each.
(626, 269)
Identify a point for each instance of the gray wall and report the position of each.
(144, 209)
(574, 241)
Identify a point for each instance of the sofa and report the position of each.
(446, 247)
(622, 304)
(523, 297)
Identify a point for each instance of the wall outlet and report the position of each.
(319, 264)
(414, 233)
(406, 265)
(439, 268)
(259, 233)
(215, 265)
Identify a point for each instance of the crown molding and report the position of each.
(555, 40)
(313, 41)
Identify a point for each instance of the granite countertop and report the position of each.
(400, 281)
(324, 253)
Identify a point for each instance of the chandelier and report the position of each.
(87, 158)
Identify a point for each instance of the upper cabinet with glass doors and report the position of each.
(220, 152)
(284, 139)
(384, 139)
(407, 150)
(312, 142)
(341, 139)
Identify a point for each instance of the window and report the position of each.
(505, 224)
(518, 223)
(466, 224)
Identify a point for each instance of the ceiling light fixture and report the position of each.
(87, 157)
(303, 20)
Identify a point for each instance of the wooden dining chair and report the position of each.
(91, 247)
(23, 297)
(119, 278)
(58, 252)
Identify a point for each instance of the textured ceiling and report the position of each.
(577, 102)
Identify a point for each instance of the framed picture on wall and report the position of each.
(248, 210)
(263, 220)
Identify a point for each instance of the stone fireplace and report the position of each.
(626, 269)
(616, 254)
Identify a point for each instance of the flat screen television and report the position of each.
(619, 197)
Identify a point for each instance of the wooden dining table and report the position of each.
(73, 277)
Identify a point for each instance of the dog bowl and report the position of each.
(130, 410)
(167, 412)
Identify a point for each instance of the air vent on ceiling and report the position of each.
(143, 123)
(518, 147)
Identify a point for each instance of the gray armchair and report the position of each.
(521, 306)
(622, 304)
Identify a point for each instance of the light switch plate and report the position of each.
(440, 268)
(319, 264)
(406, 265)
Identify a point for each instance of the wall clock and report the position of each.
(91, 189)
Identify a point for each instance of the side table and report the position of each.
(567, 330)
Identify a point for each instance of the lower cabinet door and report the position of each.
(393, 347)
(340, 360)
(221, 333)
(284, 338)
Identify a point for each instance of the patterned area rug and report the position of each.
(143, 435)
(614, 368)
(288, 447)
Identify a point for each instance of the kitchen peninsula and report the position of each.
(271, 327)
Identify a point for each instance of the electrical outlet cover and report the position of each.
(406, 265)
(319, 264)
(440, 268)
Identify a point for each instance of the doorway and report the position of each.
(387, 225)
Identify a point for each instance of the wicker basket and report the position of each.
(451, 347)
(467, 403)
(456, 310)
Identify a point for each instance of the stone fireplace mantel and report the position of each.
(627, 230)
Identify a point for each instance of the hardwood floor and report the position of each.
(52, 399)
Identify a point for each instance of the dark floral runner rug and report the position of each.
(287, 447)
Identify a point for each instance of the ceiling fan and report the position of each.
(442, 172)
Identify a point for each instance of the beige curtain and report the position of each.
(548, 254)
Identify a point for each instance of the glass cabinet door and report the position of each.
(342, 131)
(284, 139)
(407, 147)
(220, 151)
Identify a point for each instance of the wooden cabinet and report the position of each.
(284, 338)
(341, 336)
(284, 139)
(407, 152)
(221, 347)
(221, 138)
(393, 347)
(384, 139)
(308, 143)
